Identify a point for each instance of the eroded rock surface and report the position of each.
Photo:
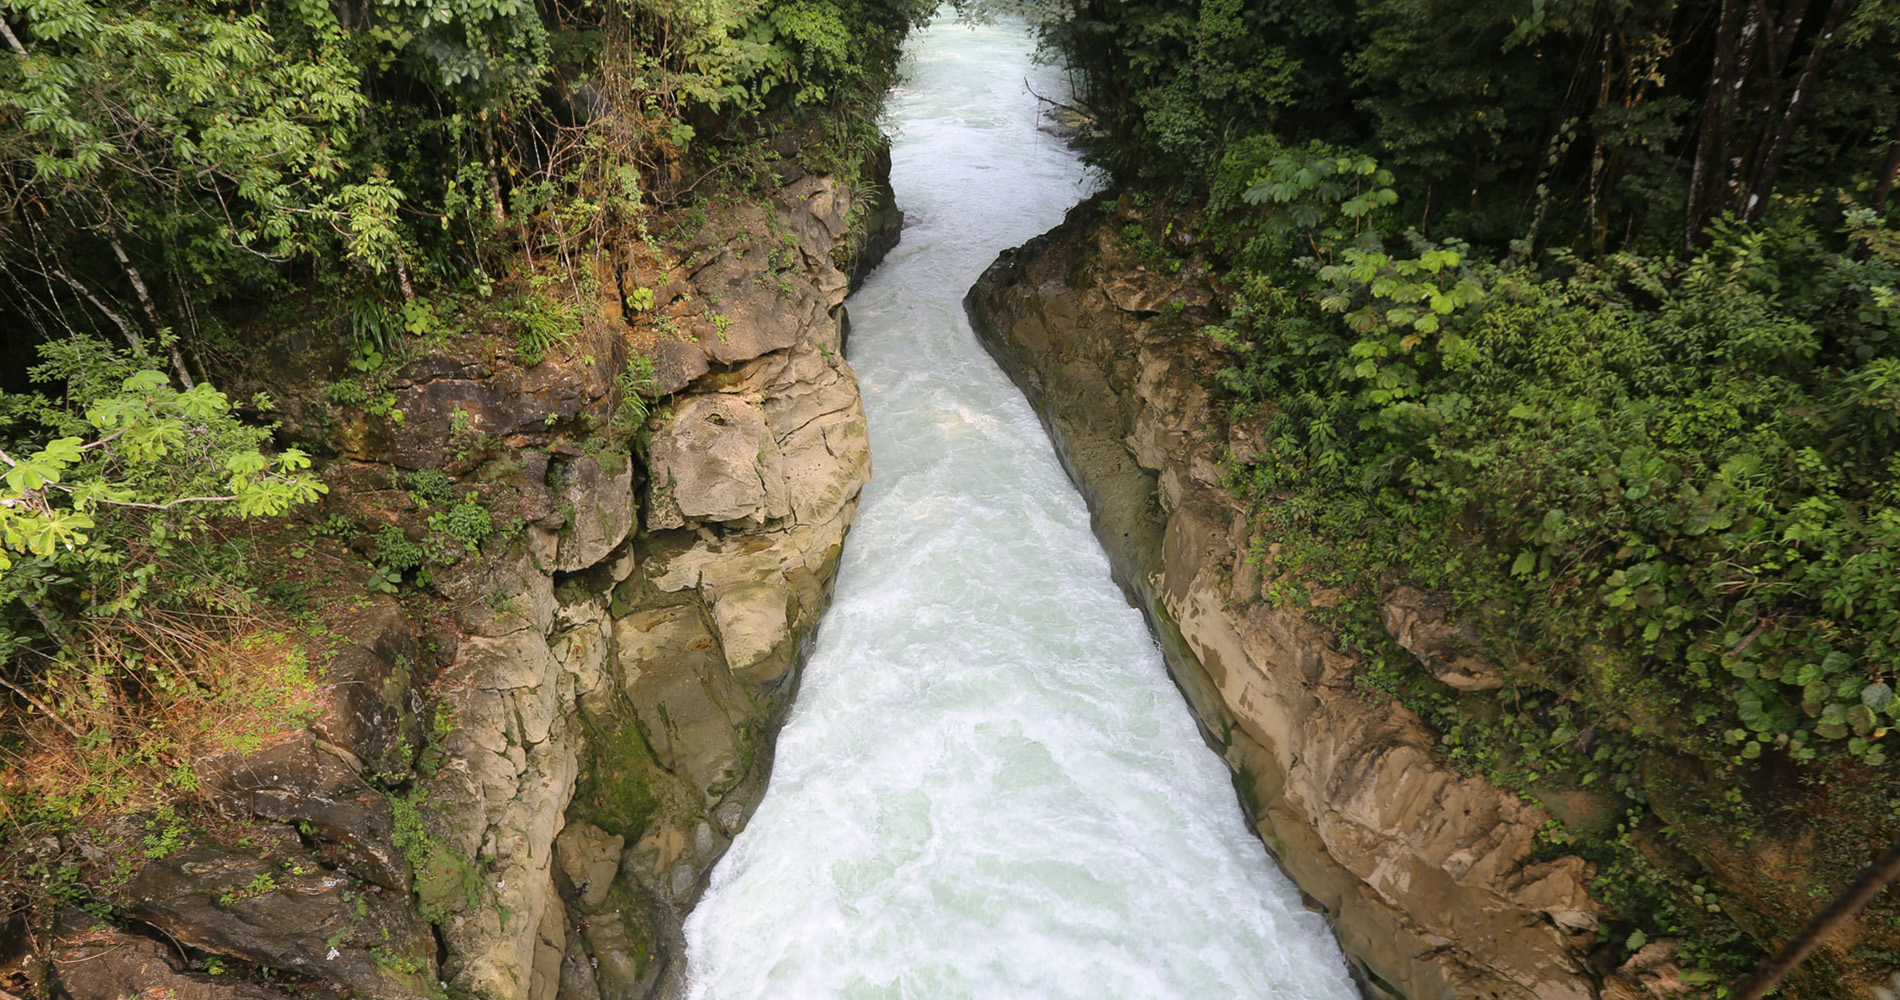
(285, 911)
(633, 705)
(526, 765)
(1429, 876)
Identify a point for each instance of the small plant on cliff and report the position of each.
(637, 384)
(260, 884)
(445, 880)
(427, 486)
(541, 323)
(124, 588)
(467, 522)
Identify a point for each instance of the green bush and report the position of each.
(467, 522)
(429, 486)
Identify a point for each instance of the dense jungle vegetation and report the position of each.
(1588, 315)
(171, 169)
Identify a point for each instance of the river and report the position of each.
(988, 787)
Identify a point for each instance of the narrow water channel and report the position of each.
(988, 787)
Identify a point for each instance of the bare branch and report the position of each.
(35, 702)
(13, 40)
(125, 326)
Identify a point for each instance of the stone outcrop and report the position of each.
(1423, 625)
(1429, 876)
(635, 698)
(286, 911)
(524, 765)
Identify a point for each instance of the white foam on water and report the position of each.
(988, 787)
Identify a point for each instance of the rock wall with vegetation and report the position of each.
(1432, 878)
(1563, 338)
(1350, 707)
(543, 723)
(426, 446)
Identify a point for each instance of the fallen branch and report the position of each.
(1769, 974)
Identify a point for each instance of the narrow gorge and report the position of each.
(849, 499)
(988, 786)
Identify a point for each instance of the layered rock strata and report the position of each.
(1429, 876)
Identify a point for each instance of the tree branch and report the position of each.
(36, 703)
(151, 307)
(13, 40)
(125, 326)
(1770, 973)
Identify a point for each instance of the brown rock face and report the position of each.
(633, 706)
(550, 776)
(298, 782)
(1422, 624)
(290, 914)
(1428, 875)
(93, 960)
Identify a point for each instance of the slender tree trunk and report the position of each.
(13, 40)
(1887, 173)
(151, 310)
(498, 210)
(1599, 156)
(1709, 173)
(126, 326)
(1769, 166)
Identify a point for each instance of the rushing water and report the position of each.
(988, 787)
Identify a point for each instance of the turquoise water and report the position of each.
(988, 787)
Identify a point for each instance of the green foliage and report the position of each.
(453, 532)
(109, 485)
(1668, 491)
(394, 550)
(1655, 454)
(1557, 121)
(260, 884)
(467, 522)
(446, 881)
(540, 323)
(182, 156)
(429, 486)
(637, 385)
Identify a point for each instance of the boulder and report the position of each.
(375, 679)
(1423, 624)
(299, 782)
(681, 693)
(289, 913)
(596, 497)
(93, 960)
(715, 460)
(753, 623)
(589, 856)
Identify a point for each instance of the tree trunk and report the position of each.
(1769, 166)
(1887, 173)
(1709, 173)
(126, 327)
(13, 40)
(151, 310)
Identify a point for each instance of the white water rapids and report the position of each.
(988, 787)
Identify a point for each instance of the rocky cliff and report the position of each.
(528, 755)
(1430, 876)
